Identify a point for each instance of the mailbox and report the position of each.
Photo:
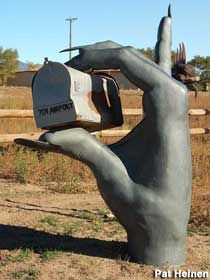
(66, 97)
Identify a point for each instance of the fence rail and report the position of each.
(8, 138)
(4, 113)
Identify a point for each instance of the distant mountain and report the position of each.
(22, 66)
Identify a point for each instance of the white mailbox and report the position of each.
(63, 96)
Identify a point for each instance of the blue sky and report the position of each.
(37, 28)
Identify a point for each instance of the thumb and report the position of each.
(72, 142)
(106, 166)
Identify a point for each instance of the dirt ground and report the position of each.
(47, 235)
(51, 235)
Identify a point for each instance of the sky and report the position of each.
(38, 28)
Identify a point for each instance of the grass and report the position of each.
(70, 228)
(92, 223)
(50, 255)
(21, 169)
(20, 255)
(53, 224)
(62, 174)
(65, 175)
(50, 220)
(62, 259)
(31, 273)
(15, 98)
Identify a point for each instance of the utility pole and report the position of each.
(70, 19)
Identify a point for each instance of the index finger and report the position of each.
(163, 45)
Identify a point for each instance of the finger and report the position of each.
(37, 145)
(96, 58)
(80, 144)
(163, 45)
(68, 140)
(78, 63)
(72, 49)
(101, 45)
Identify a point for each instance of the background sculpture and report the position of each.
(145, 178)
(184, 72)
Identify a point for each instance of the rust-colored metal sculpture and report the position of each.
(183, 71)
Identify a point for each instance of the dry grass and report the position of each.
(10, 125)
(23, 165)
(20, 98)
(15, 98)
(57, 236)
(50, 233)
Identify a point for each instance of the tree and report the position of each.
(148, 52)
(8, 64)
(32, 66)
(202, 64)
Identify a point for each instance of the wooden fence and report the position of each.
(4, 113)
(7, 138)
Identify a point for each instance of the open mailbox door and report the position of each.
(63, 96)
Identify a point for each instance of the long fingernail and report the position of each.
(169, 10)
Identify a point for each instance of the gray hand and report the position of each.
(145, 178)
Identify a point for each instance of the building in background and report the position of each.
(122, 81)
(24, 78)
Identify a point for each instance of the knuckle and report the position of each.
(109, 42)
(128, 48)
(125, 50)
(51, 138)
(181, 90)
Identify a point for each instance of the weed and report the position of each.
(70, 186)
(21, 169)
(124, 258)
(50, 220)
(190, 232)
(31, 273)
(201, 230)
(205, 263)
(97, 228)
(68, 228)
(103, 211)
(62, 174)
(50, 254)
(23, 255)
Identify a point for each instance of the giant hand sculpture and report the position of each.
(145, 178)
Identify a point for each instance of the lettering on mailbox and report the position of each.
(55, 109)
